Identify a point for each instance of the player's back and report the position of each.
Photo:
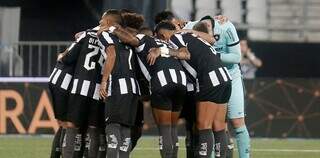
(165, 70)
(90, 59)
(203, 56)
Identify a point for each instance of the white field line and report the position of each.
(255, 150)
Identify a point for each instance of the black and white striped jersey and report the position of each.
(166, 70)
(204, 65)
(62, 74)
(88, 60)
(123, 78)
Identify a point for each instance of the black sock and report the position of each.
(205, 143)
(56, 148)
(125, 145)
(165, 141)
(79, 145)
(68, 142)
(136, 133)
(220, 139)
(230, 148)
(102, 145)
(92, 143)
(188, 141)
(175, 141)
(195, 142)
(113, 138)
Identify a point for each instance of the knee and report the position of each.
(238, 122)
(219, 125)
(204, 124)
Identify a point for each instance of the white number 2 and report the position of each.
(87, 64)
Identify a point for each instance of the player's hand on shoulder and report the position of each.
(154, 53)
(77, 35)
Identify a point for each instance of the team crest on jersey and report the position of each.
(216, 37)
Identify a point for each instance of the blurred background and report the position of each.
(281, 52)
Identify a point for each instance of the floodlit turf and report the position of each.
(39, 147)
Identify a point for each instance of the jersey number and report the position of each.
(92, 65)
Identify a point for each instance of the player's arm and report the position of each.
(126, 37)
(233, 54)
(182, 52)
(210, 39)
(108, 43)
(70, 56)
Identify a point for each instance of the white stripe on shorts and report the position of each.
(183, 78)
(227, 73)
(133, 84)
(66, 81)
(56, 76)
(74, 86)
(54, 70)
(173, 75)
(162, 78)
(85, 88)
(214, 79)
(123, 86)
(96, 94)
(224, 76)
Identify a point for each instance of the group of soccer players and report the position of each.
(186, 69)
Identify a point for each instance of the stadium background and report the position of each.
(282, 102)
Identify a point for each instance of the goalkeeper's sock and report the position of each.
(230, 146)
(243, 142)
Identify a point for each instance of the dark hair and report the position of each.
(200, 26)
(133, 20)
(116, 14)
(125, 10)
(164, 25)
(208, 17)
(164, 15)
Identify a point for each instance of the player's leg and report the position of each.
(95, 121)
(236, 115)
(60, 105)
(230, 148)
(219, 132)
(102, 153)
(136, 130)
(77, 118)
(174, 133)
(55, 148)
(125, 142)
(113, 138)
(178, 93)
(163, 120)
(206, 112)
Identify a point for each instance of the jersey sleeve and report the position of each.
(233, 54)
(106, 39)
(73, 50)
(145, 43)
(177, 40)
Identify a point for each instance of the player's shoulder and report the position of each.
(225, 26)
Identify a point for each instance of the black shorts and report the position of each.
(188, 111)
(122, 109)
(170, 97)
(219, 94)
(140, 114)
(59, 102)
(84, 111)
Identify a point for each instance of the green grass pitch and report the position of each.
(39, 147)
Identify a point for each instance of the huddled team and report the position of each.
(186, 69)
